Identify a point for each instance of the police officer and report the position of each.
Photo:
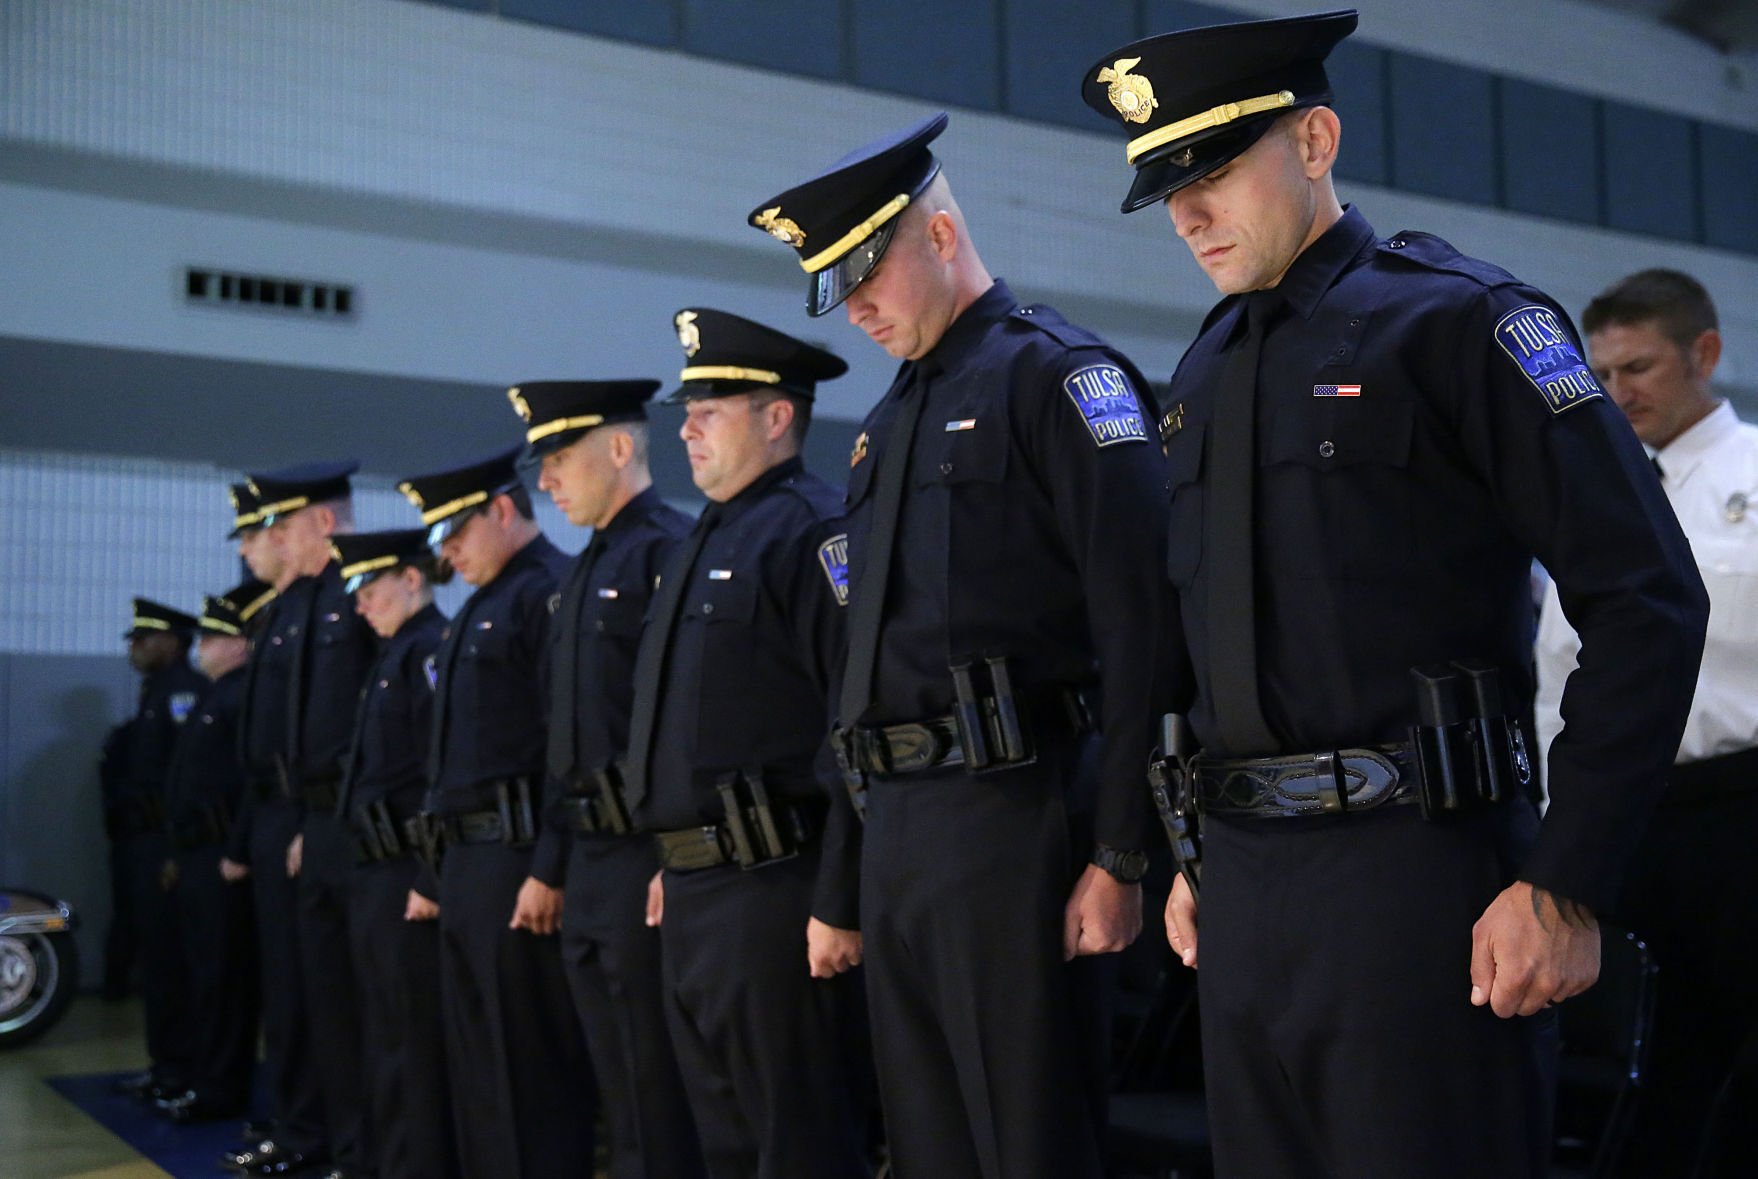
(1004, 530)
(521, 1082)
(728, 766)
(301, 684)
(1369, 440)
(217, 937)
(591, 439)
(1653, 341)
(134, 815)
(392, 928)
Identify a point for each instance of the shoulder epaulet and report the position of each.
(1049, 321)
(825, 501)
(1433, 253)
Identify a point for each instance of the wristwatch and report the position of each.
(1127, 866)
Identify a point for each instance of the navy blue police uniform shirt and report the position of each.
(489, 699)
(268, 680)
(388, 760)
(334, 648)
(168, 698)
(1425, 426)
(206, 780)
(598, 621)
(1034, 528)
(753, 664)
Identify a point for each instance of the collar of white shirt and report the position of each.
(1686, 453)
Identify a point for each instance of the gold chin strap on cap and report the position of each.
(246, 613)
(150, 623)
(1217, 116)
(214, 624)
(855, 236)
(434, 515)
(729, 372)
(560, 424)
(283, 507)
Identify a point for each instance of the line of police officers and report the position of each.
(649, 806)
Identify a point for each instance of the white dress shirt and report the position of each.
(1710, 475)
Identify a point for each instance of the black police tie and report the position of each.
(655, 647)
(1232, 604)
(345, 796)
(563, 703)
(869, 597)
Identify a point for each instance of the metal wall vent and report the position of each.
(226, 288)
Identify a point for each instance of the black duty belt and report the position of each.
(1326, 783)
(1002, 735)
(481, 827)
(596, 806)
(1727, 776)
(136, 814)
(320, 793)
(382, 832)
(758, 835)
(200, 827)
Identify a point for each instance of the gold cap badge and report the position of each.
(781, 228)
(689, 335)
(520, 406)
(1131, 94)
(408, 489)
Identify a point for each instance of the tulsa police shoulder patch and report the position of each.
(1534, 339)
(181, 704)
(833, 557)
(1107, 404)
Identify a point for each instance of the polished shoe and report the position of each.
(247, 1159)
(137, 1085)
(271, 1158)
(194, 1106)
(255, 1131)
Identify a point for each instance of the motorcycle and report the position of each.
(39, 964)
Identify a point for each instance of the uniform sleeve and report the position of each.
(817, 576)
(1090, 439)
(1574, 486)
(549, 859)
(238, 837)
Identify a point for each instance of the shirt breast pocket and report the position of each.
(966, 451)
(620, 616)
(1184, 464)
(1339, 479)
(488, 647)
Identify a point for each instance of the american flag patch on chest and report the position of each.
(1336, 390)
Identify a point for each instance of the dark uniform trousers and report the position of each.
(965, 1094)
(153, 920)
(396, 963)
(332, 1000)
(1691, 898)
(612, 959)
(288, 1058)
(218, 947)
(760, 1042)
(1375, 909)
(521, 1088)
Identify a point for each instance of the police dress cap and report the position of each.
(446, 499)
(362, 556)
(726, 354)
(229, 613)
(150, 616)
(841, 220)
(282, 492)
(246, 509)
(1194, 99)
(557, 412)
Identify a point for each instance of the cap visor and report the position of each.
(1157, 177)
(830, 286)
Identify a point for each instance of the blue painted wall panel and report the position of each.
(1165, 16)
(799, 36)
(1729, 162)
(1048, 44)
(943, 50)
(1443, 129)
(1550, 152)
(1358, 78)
(652, 22)
(1650, 178)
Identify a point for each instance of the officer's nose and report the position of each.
(857, 307)
(1187, 212)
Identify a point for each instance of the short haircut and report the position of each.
(761, 398)
(637, 432)
(521, 501)
(343, 508)
(1671, 299)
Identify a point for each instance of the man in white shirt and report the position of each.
(1653, 343)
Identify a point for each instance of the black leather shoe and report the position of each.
(136, 1085)
(195, 1106)
(255, 1131)
(240, 1160)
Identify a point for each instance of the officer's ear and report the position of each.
(324, 516)
(1704, 354)
(943, 235)
(1318, 133)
